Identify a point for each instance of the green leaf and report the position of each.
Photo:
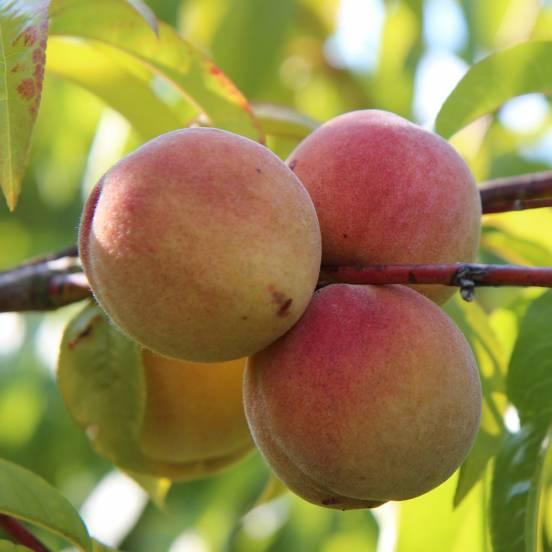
(515, 491)
(121, 81)
(23, 29)
(529, 382)
(514, 249)
(517, 70)
(7, 546)
(428, 523)
(146, 13)
(473, 322)
(27, 496)
(191, 72)
(249, 39)
(102, 384)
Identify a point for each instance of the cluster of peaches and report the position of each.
(205, 249)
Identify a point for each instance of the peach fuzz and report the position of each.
(372, 396)
(388, 191)
(201, 245)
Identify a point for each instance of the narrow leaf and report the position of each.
(529, 381)
(192, 73)
(102, 384)
(517, 70)
(7, 546)
(27, 496)
(473, 322)
(516, 491)
(23, 30)
(121, 81)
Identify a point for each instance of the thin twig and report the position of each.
(21, 534)
(463, 275)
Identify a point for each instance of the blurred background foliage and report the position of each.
(322, 58)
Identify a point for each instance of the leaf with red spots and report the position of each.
(23, 30)
(192, 74)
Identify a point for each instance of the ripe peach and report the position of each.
(201, 245)
(146, 413)
(372, 396)
(388, 191)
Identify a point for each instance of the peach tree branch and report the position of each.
(43, 284)
(526, 191)
(56, 280)
(466, 276)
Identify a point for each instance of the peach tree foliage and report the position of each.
(160, 80)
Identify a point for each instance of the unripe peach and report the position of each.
(201, 245)
(372, 396)
(194, 412)
(388, 191)
(146, 413)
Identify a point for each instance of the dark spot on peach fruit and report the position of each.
(293, 164)
(280, 299)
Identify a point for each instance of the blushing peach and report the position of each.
(372, 396)
(388, 191)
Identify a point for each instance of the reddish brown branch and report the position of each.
(527, 191)
(463, 275)
(42, 285)
(21, 534)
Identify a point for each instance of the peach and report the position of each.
(372, 396)
(149, 414)
(201, 245)
(194, 412)
(387, 191)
